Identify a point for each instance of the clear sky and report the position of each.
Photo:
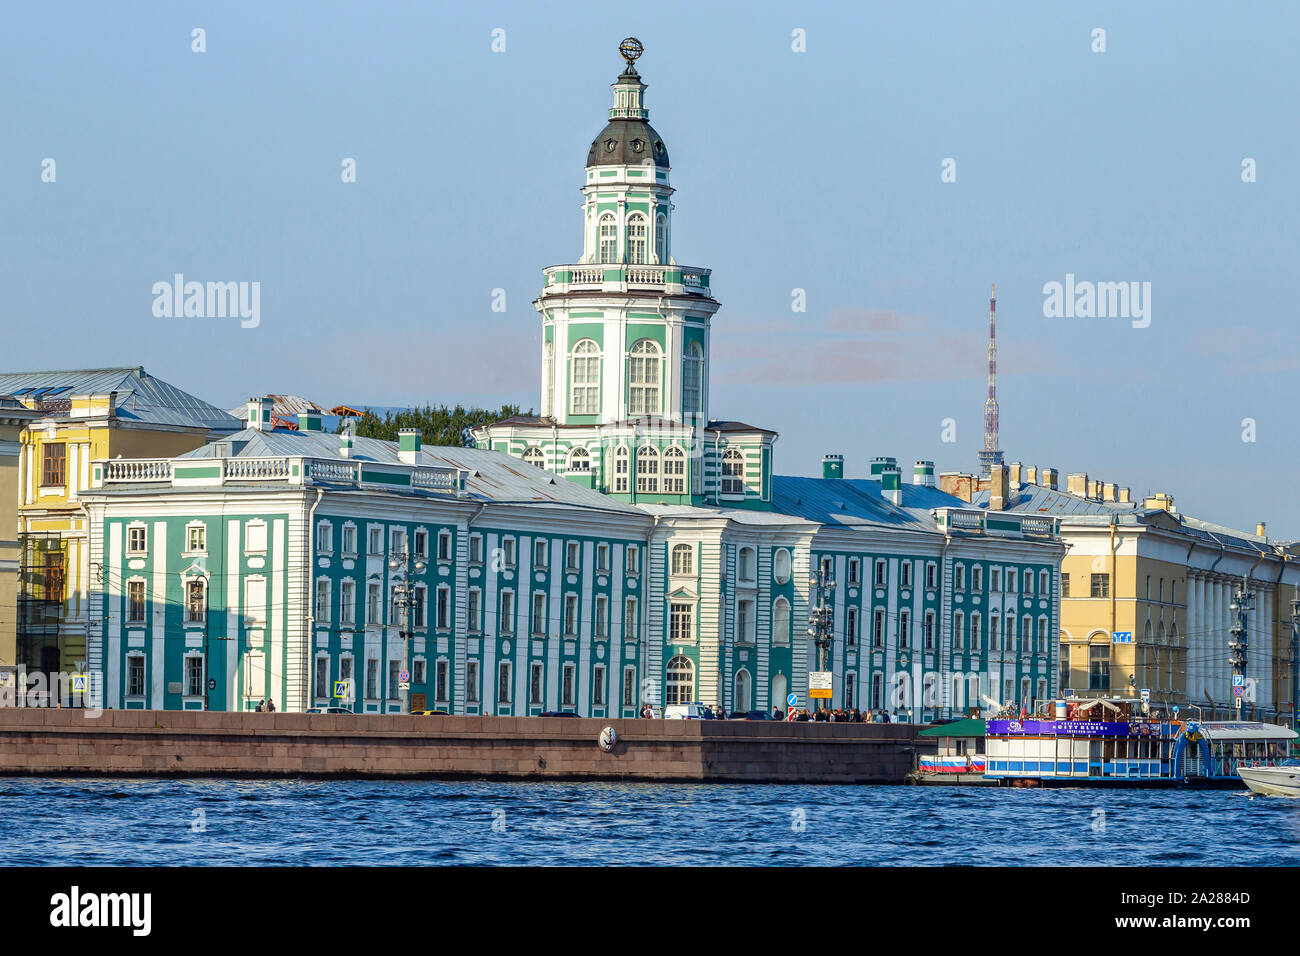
(817, 170)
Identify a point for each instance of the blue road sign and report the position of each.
(1238, 680)
(1122, 637)
(792, 700)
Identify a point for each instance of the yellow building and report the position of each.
(81, 416)
(14, 417)
(1147, 594)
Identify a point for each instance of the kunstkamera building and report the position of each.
(622, 547)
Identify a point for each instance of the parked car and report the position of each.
(329, 710)
(692, 711)
(558, 713)
(748, 715)
(430, 713)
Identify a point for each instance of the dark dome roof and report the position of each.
(627, 142)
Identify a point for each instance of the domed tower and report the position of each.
(625, 338)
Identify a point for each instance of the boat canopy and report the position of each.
(967, 727)
(1245, 730)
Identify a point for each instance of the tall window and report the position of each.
(503, 682)
(1063, 666)
(584, 378)
(643, 378)
(135, 602)
(674, 471)
(631, 621)
(53, 464)
(733, 472)
(747, 564)
(322, 600)
(661, 239)
(683, 559)
(194, 676)
(579, 460)
(1099, 667)
(693, 381)
(1101, 585)
(680, 630)
(347, 603)
(680, 685)
(740, 698)
(533, 456)
(471, 682)
(620, 469)
(647, 470)
(535, 684)
(196, 601)
(636, 239)
(548, 378)
(135, 675)
(608, 238)
(598, 686)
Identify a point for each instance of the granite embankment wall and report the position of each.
(154, 743)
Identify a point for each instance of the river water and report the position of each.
(45, 821)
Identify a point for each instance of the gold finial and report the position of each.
(631, 48)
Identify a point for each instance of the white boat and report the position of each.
(1280, 780)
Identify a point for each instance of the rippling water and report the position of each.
(151, 822)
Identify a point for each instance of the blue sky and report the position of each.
(817, 170)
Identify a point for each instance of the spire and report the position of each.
(991, 455)
(629, 91)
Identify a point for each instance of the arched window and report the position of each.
(683, 559)
(679, 688)
(533, 456)
(693, 381)
(647, 470)
(584, 378)
(781, 566)
(747, 564)
(579, 460)
(643, 378)
(780, 622)
(741, 698)
(674, 471)
(733, 472)
(620, 469)
(636, 239)
(548, 379)
(608, 238)
(780, 688)
(661, 239)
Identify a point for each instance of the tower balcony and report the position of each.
(622, 277)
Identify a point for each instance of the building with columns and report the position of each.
(1166, 582)
(623, 547)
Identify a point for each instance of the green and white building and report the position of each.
(622, 547)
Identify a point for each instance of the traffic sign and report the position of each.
(819, 684)
(792, 700)
(789, 715)
(1238, 680)
(1122, 637)
(404, 677)
(343, 689)
(1238, 690)
(403, 685)
(1146, 693)
(78, 683)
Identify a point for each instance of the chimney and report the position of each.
(346, 433)
(1108, 491)
(1094, 488)
(1031, 475)
(923, 474)
(958, 484)
(1015, 474)
(999, 493)
(1051, 478)
(891, 480)
(408, 445)
(1261, 530)
(880, 463)
(1077, 484)
(832, 466)
(1125, 496)
(309, 421)
(1162, 500)
(259, 414)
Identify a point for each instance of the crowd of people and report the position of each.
(844, 715)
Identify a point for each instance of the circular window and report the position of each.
(781, 566)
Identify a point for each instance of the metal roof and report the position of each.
(492, 476)
(853, 502)
(140, 397)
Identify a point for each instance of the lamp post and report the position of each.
(821, 620)
(402, 563)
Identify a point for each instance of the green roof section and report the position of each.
(966, 727)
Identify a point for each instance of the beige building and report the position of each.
(1147, 594)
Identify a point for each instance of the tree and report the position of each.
(438, 426)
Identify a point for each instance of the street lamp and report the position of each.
(402, 564)
(821, 620)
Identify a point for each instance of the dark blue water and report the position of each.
(151, 822)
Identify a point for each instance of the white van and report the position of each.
(692, 711)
